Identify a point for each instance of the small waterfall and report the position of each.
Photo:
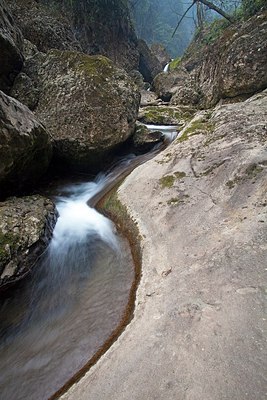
(166, 68)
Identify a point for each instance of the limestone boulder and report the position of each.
(25, 147)
(10, 48)
(87, 103)
(26, 226)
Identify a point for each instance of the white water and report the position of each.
(170, 132)
(166, 68)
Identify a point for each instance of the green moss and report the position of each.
(174, 201)
(179, 174)
(163, 115)
(175, 63)
(167, 181)
(196, 128)
(253, 170)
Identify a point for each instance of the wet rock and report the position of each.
(149, 65)
(26, 226)
(143, 139)
(25, 147)
(10, 49)
(88, 105)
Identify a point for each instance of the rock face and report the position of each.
(233, 67)
(26, 225)
(200, 303)
(149, 65)
(91, 27)
(25, 146)
(88, 105)
(161, 53)
(10, 49)
(44, 27)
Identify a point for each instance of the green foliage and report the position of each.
(215, 29)
(174, 63)
(251, 7)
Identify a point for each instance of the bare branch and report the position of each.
(184, 14)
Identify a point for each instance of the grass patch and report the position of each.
(175, 63)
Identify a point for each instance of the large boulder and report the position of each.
(10, 49)
(26, 225)
(25, 146)
(88, 105)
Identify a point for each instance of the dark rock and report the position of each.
(149, 65)
(26, 226)
(161, 53)
(143, 139)
(90, 27)
(88, 105)
(10, 49)
(25, 147)
(43, 26)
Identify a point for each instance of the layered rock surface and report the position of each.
(198, 326)
(25, 147)
(26, 225)
(88, 105)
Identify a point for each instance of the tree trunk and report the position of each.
(217, 9)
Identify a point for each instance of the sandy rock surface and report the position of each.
(198, 328)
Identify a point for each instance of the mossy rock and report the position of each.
(88, 104)
(165, 115)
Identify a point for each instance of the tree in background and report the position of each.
(155, 21)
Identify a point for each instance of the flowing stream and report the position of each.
(52, 324)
